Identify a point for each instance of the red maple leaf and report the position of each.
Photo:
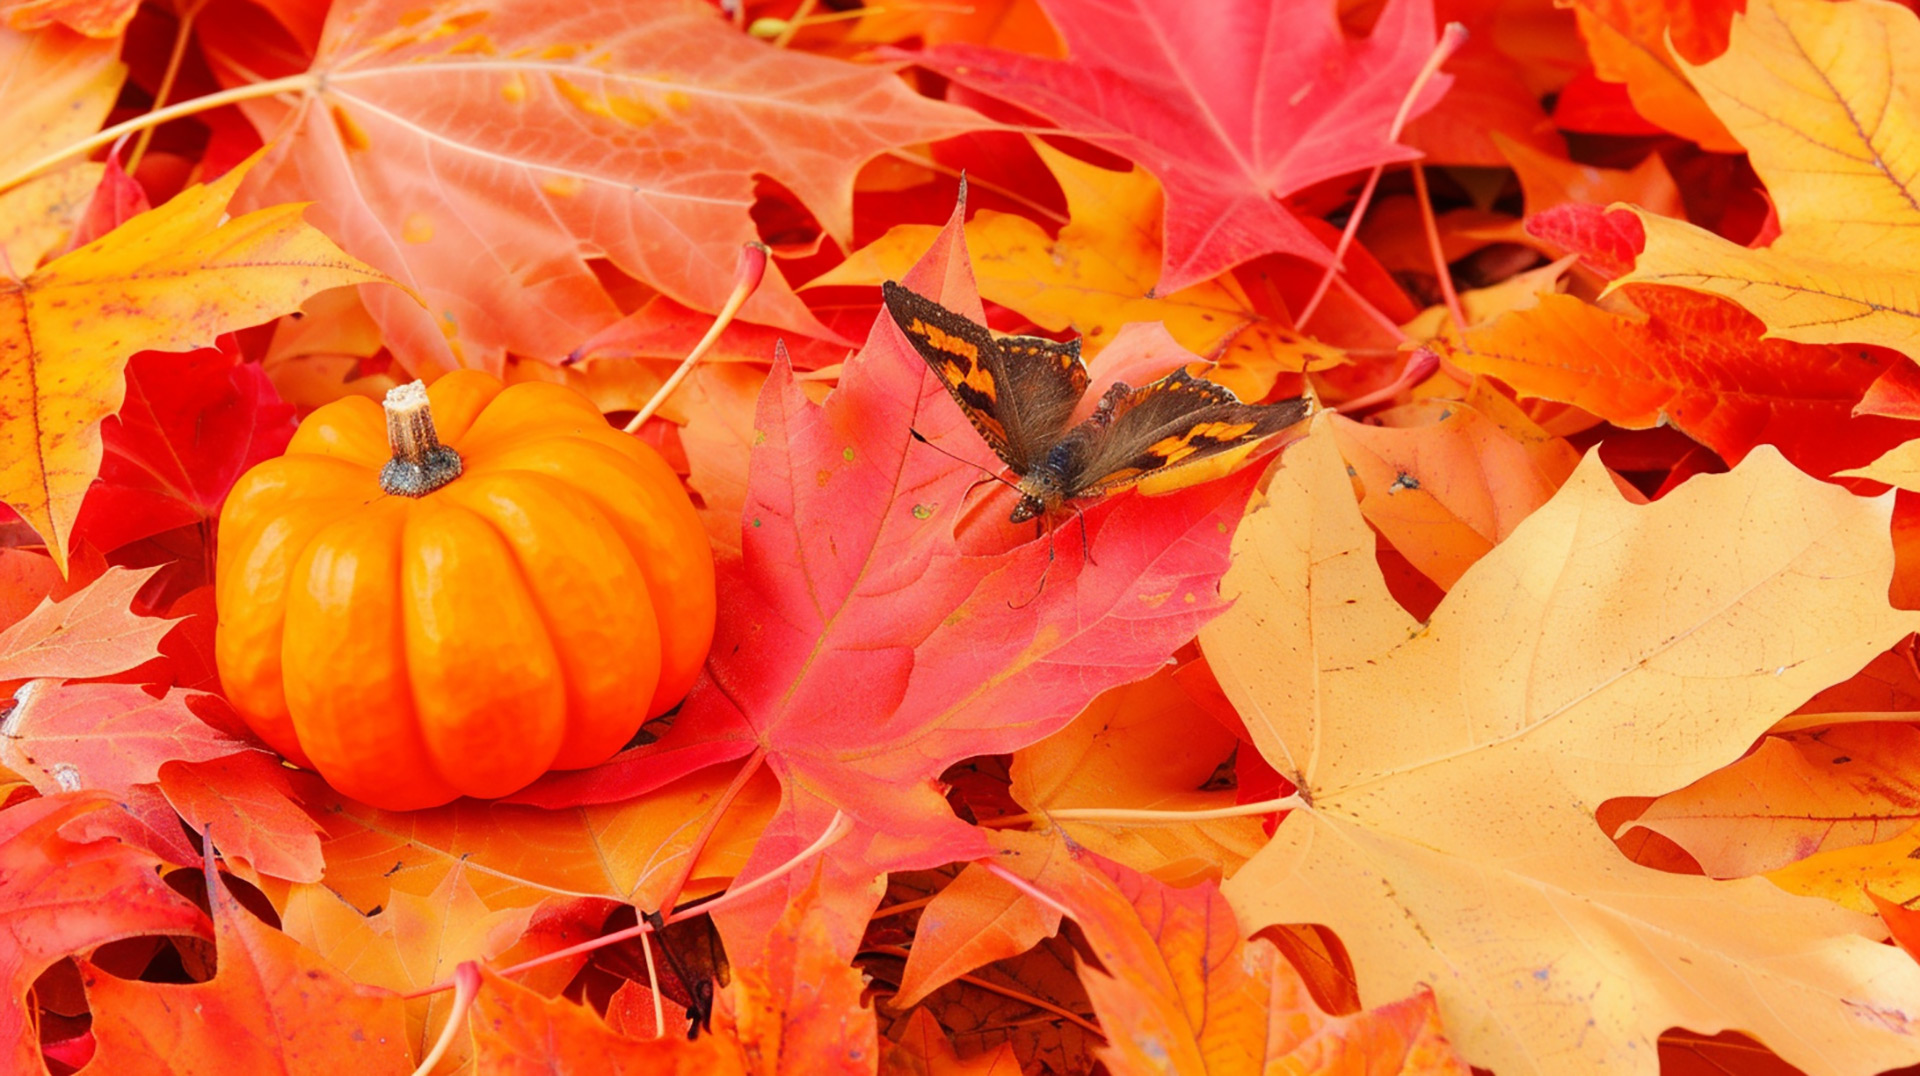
(1233, 108)
(192, 423)
(60, 896)
(863, 648)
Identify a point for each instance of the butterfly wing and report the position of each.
(1018, 392)
(1177, 420)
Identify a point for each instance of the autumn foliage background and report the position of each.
(1547, 704)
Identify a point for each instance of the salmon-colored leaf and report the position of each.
(94, 18)
(516, 1032)
(90, 634)
(1446, 480)
(248, 800)
(108, 736)
(496, 135)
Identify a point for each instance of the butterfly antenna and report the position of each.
(991, 476)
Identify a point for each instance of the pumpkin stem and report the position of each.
(420, 463)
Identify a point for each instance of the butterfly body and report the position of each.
(1020, 393)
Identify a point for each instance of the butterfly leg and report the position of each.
(1039, 525)
(1086, 543)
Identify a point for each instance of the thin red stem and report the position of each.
(672, 894)
(838, 828)
(747, 276)
(1451, 39)
(1436, 249)
(466, 987)
(1420, 366)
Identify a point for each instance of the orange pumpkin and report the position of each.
(420, 620)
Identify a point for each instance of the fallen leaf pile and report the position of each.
(1547, 704)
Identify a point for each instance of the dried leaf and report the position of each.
(516, 1032)
(1183, 993)
(109, 737)
(273, 1007)
(1452, 769)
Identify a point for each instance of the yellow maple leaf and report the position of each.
(1452, 770)
(1822, 97)
(170, 279)
(416, 941)
(1100, 274)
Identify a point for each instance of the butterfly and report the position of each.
(1020, 392)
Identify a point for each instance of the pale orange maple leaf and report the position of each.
(1450, 771)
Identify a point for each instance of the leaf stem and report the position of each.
(1420, 365)
(838, 828)
(466, 987)
(181, 35)
(984, 184)
(794, 22)
(304, 82)
(747, 277)
(1435, 249)
(1451, 39)
(653, 987)
(707, 828)
(1004, 991)
(1123, 816)
(901, 908)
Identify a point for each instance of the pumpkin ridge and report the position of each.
(327, 735)
(430, 700)
(522, 574)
